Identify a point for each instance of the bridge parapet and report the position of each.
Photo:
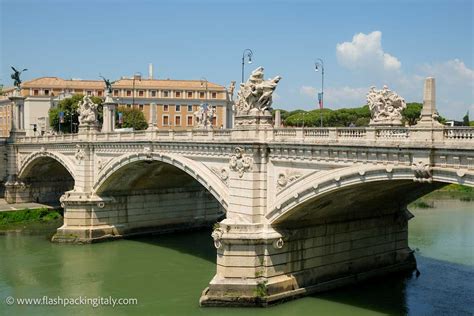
(387, 136)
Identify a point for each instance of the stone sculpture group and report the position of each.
(204, 116)
(255, 96)
(385, 106)
(87, 111)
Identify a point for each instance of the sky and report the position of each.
(362, 43)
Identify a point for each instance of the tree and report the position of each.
(465, 119)
(411, 114)
(69, 106)
(132, 117)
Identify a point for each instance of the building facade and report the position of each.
(176, 100)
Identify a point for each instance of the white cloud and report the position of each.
(453, 72)
(366, 52)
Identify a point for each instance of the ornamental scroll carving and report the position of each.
(222, 173)
(217, 236)
(385, 106)
(286, 178)
(80, 154)
(240, 162)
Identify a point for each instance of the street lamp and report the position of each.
(139, 75)
(247, 53)
(317, 65)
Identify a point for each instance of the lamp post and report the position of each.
(247, 53)
(320, 64)
(139, 75)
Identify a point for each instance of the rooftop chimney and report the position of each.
(150, 71)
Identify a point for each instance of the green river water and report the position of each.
(167, 274)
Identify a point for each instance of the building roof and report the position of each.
(55, 82)
(166, 84)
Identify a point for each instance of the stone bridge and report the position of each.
(295, 211)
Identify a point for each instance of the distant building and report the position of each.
(176, 100)
(454, 123)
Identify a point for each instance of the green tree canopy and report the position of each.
(69, 107)
(411, 114)
(465, 119)
(132, 117)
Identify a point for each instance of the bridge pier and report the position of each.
(258, 265)
(90, 218)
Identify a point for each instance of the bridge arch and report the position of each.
(195, 170)
(357, 179)
(30, 161)
(45, 177)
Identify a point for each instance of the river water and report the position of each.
(167, 274)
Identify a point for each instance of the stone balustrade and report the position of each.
(361, 135)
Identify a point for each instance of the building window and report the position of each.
(190, 120)
(214, 121)
(129, 93)
(190, 108)
(201, 95)
(177, 120)
(35, 92)
(99, 93)
(141, 93)
(116, 93)
(140, 107)
(129, 105)
(166, 121)
(165, 108)
(166, 94)
(89, 92)
(153, 93)
(177, 94)
(178, 108)
(190, 94)
(214, 95)
(46, 92)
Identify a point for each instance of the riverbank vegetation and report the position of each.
(13, 219)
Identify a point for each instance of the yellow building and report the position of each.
(176, 100)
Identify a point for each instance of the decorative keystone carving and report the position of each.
(240, 162)
(148, 152)
(80, 154)
(217, 236)
(385, 106)
(43, 149)
(422, 172)
(287, 177)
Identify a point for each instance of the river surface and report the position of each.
(167, 274)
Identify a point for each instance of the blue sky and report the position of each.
(362, 43)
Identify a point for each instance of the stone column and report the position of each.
(17, 125)
(109, 106)
(277, 119)
(429, 113)
(152, 118)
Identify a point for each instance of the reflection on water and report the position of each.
(168, 273)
